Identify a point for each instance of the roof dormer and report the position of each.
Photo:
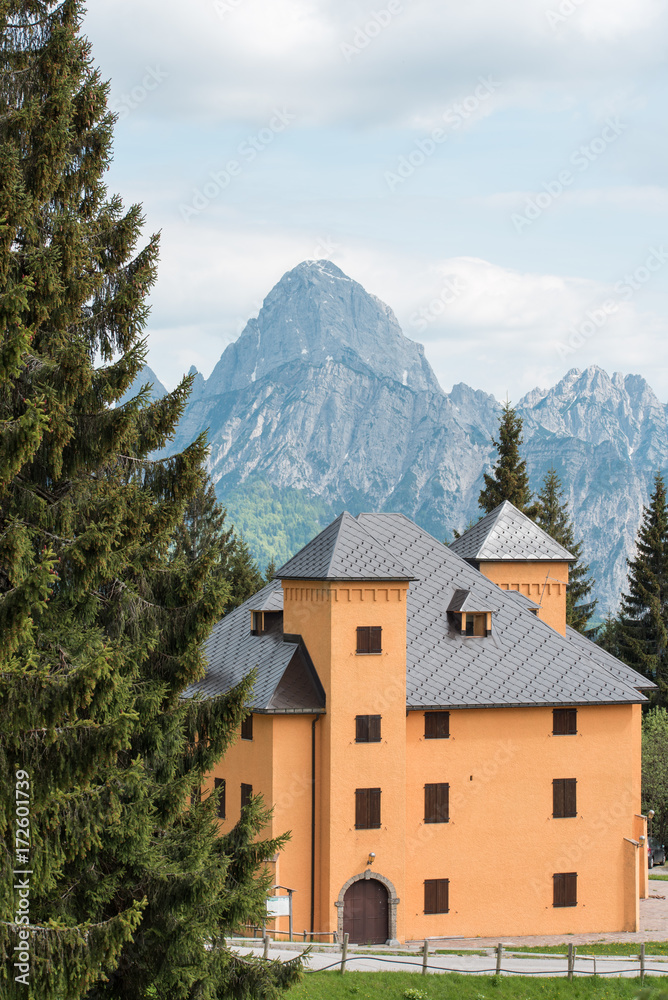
(471, 615)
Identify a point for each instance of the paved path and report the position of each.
(477, 964)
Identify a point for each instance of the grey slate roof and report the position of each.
(505, 535)
(523, 662)
(344, 550)
(285, 679)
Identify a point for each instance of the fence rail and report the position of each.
(634, 963)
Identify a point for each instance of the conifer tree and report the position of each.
(244, 574)
(509, 479)
(554, 518)
(642, 630)
(103, 610)
(270, 571)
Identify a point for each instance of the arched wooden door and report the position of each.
(365, 912)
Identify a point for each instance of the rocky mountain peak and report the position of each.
(316, 315)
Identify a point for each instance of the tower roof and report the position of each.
(508, 535)
(344, 550)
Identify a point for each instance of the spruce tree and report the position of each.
(103, 610)
(553, 517)
(642, 631)
(509, 479)
(244, 574)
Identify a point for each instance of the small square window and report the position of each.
(475, 624)
(564, 721)
(565, 889)
(367, 728)
(436, 725)
(367, 808)
(564, 801)
(256, 623)
(436, 895)
(437, 803)
(369, 639)
(246, 794)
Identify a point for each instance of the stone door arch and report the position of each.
(381, 909)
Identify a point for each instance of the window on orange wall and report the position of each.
(367, 728)
(369, 639)
(564, 721)
(564, 797)
(565, 889)
(436, 725)
(219, 784)
(246, 794)
(247, 728)
(436, 895)
(437, 803)
(367, 808)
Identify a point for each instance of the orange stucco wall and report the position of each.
(500, 764)
(544, 582)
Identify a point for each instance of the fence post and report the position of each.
(642, 962)
(499, 953)
(425, 957)
(570, 961)
(304, 937)
(344, 953)
(594, 964)
(266, 947)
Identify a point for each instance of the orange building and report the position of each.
(420, 710)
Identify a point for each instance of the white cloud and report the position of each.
(407, 65)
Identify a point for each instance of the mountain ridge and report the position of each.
(323, 403)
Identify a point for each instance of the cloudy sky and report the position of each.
(496, 172)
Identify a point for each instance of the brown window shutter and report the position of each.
(374, 807)
(246, 794)
(436, 895)
(362, 640)
(247, 728)
(558, 798)
(564, 721)
(565, 889)
(362, 728)
(570, 797)
(375, 639)
(374, 728)
(437, 803)
(436, 725)
(219, 784)
(367, 808)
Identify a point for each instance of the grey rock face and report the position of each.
(323, 393)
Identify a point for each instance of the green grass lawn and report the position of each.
(413, 986)
(600, 948)
(659, 878)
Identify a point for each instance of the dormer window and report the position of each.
(263, 622)
(470, 614)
